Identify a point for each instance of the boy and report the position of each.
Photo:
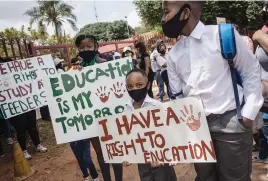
(196, 68)
(137, 87)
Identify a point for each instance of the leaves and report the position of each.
(106, 31)
(52, 12)
(243, 13)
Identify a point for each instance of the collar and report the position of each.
(198, 30)
(147, 99)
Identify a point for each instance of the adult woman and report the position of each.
(87, 46)
(145, 64)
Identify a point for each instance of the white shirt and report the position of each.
(162, 61)
(196, 67)
(148, 101)
(155, 67)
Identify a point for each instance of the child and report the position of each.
(137, 87)
(81, 150)
(87, 46)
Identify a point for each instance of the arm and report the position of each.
(147, 65)
(100, 60)
(250, 44)
(175, 81)
(261, 37)
(248, 66)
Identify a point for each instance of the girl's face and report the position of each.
(128, 54)
(86, 45)
(136, 81)
(138, 51)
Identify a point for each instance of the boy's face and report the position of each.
(136, 81)
(86, 44)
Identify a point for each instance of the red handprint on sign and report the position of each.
(118, 90)
(104, 96)
(192, 123)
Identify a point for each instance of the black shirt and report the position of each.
(143, 65)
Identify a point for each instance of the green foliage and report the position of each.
(150, 12)
(243, 13)
(52, 12)
(141, 29)
(106, 31)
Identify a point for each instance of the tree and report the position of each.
(150, 12)
(243, 13)
(52, 12)
(105, 31)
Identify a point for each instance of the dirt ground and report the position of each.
(59, 163)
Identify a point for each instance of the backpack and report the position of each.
(228, 51)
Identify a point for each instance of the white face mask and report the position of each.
(262, 56)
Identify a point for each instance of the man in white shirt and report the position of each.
(156, 69)
(196, 68)
(162, 63)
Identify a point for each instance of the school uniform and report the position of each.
(104, 167)
(146, 172)
(196, 68)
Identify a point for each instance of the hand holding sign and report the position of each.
(118, 90)
(192, 123)
(104, 96)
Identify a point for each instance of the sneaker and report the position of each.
(10, 141)
(41, 149)
(96, 179)
(28, 145)
(2, 155)
(27, 155)
(87, 179)
(256, 159)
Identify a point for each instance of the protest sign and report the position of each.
(77, 98)
(175, 132)
(21, 84)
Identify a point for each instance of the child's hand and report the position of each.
(126, 164)
(173, 164)
(77, 67)
(156, 164)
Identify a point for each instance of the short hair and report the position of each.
(82, 37)
(141, 47)
(135, 70)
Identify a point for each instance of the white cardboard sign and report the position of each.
(175, 132)
(77, 98)
(21, 84)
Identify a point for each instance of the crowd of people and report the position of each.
(194, 67)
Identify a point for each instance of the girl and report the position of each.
(127, 52)
(137, 87)
(88, 47)
(145, 65)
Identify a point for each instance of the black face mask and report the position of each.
(174, 27)
(138, 94)
(88, 55)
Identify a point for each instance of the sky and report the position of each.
(11, 13)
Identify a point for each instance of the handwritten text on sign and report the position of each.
(176, 132)
(21, 84)
(77, 98)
